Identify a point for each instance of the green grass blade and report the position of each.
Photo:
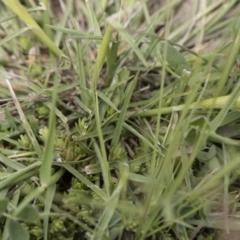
(12, 164)
(226, 107)
(128, 94)
(107, 100)
(229, 65)
(78, 34)
(57, 111)
(25, 123)
(111, 62)
(88, 183)
(93, 19)
(81, 74)
(45, 170)
(101, 56)
(21, 12)
(35, 9)
(102, 156)
(47, 207)
(130, 42)
(13, 176)
(36, 192)
(112, 203)
(13, 35)
(59, 35)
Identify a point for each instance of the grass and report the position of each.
(119, 120)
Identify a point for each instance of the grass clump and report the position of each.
(119, 120)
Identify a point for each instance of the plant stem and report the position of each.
(205, 104)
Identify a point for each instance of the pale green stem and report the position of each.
(205, 104)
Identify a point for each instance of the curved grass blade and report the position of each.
(8, 18)
(130, 42)
(22, 13)
(25, 122)
(13, 35)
